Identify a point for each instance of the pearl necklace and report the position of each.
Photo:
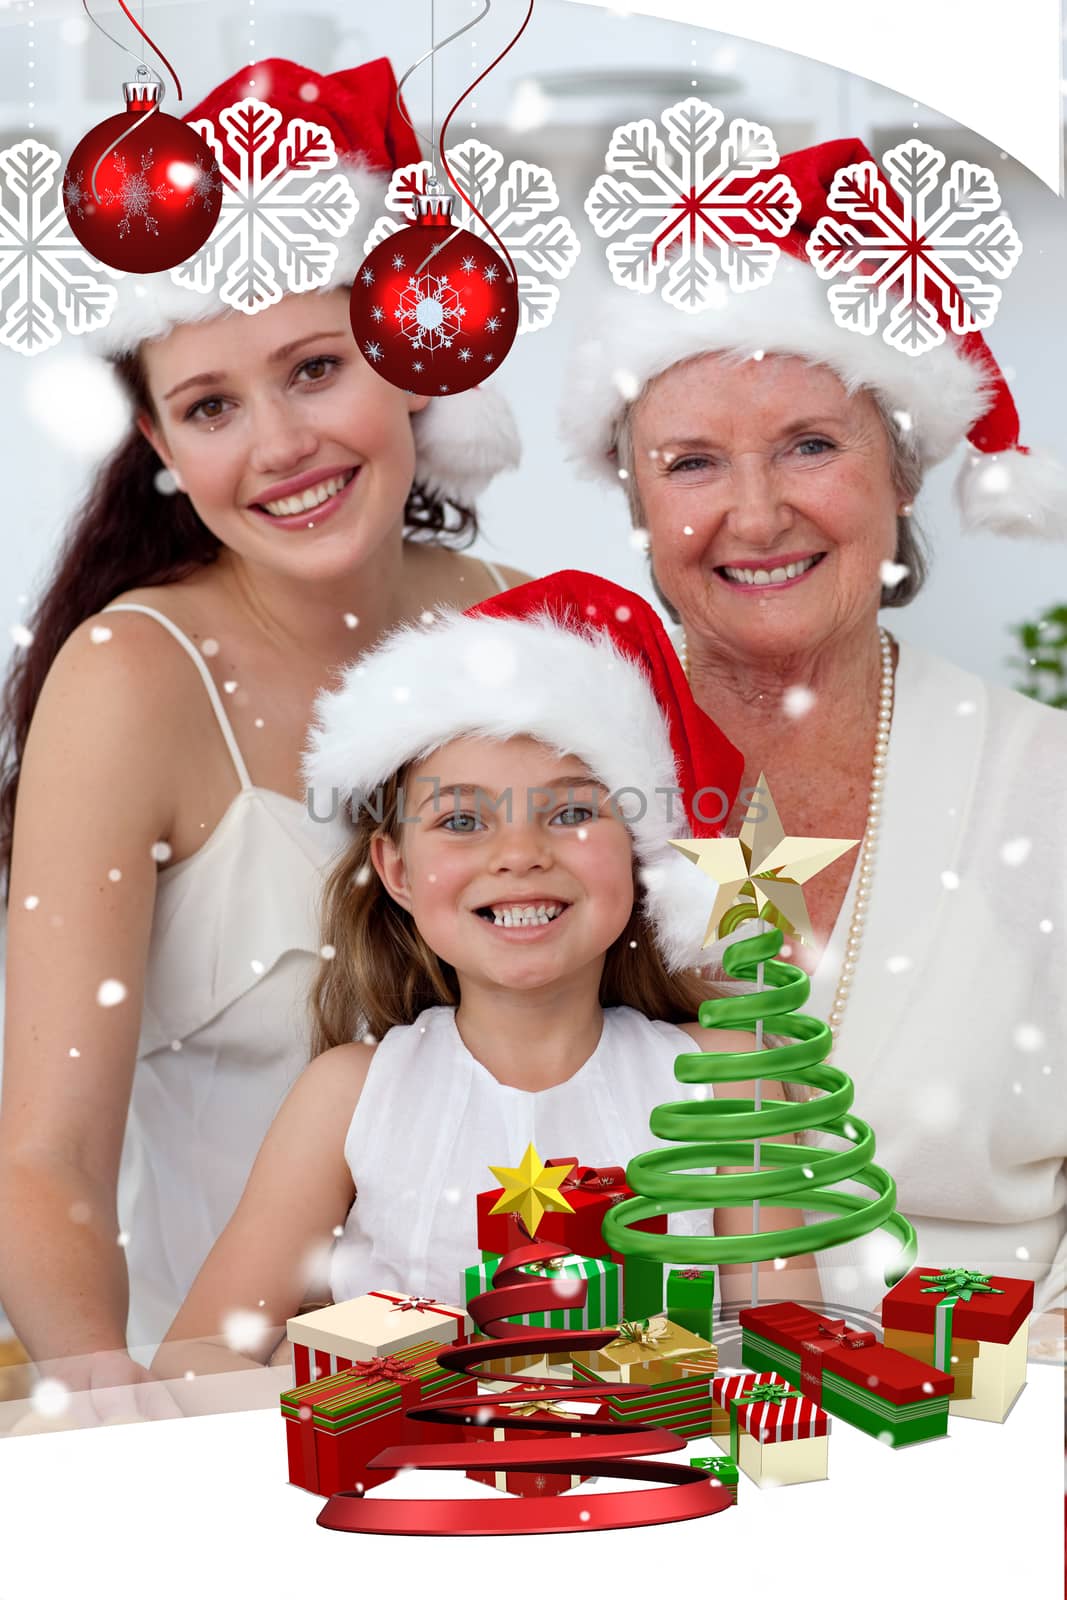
(869, 845)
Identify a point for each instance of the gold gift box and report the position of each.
(921, 1346)
(651, 1357)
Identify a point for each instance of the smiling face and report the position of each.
(526, 901)
(292, 450)
(769, 500)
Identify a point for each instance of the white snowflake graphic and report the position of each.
(278, 218)
(520, 203)
(366, 277)
(48, 281)
(916, 251)
(135, 194)
(373, 351)
(429, 312)
(691, 205)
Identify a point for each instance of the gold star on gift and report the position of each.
(531, 1189)
(766, 863)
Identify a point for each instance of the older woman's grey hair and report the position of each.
(907, 474)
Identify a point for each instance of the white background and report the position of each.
(161, 1511)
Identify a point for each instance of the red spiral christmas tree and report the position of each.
(606, 1448)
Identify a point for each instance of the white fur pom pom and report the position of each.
(462, 441)
(1023, 494)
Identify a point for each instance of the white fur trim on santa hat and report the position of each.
(463, 440)
(635, 338)
(500, 678)
(1020, 493)
(149, 305)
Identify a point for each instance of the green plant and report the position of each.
(1043, 663)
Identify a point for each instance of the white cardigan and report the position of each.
(956, 1027)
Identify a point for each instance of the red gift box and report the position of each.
(592, 1191)
(335, 1425)
(530, 1482)
(820, 1345)
(996, 1316)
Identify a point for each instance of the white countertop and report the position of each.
(199, 1508)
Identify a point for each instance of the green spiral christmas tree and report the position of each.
(768, 868)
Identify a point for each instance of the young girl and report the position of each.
(164, 930)
(509, 925)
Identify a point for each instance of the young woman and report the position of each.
(164, 870)
(513, 928)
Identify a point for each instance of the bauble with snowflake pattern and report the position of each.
(434, 309)
(142, 191)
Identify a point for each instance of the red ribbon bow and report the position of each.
(415, 1302)
(378, 1368)
(694, 1272)
(594, 1178)
(838, 1329)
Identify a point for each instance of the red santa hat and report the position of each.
(461, 441)
(946, 394)
(580, 664)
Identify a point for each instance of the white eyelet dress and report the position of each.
(431, 1119)
(225, 1029)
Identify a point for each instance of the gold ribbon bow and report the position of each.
(648, 1333)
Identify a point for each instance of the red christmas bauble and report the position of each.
(153, 199)
(434, 308)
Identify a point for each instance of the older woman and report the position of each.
(164, 868)
(774, 458)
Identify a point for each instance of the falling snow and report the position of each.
(1028, 1036)
(50, 1397)
(111, 992)
(798, 700)
(161, 851)
(892, 573)
(244, 1330)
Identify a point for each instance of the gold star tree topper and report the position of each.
(766, 860)
(531, 1189)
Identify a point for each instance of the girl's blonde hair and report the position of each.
(382, 973)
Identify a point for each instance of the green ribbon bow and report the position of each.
(774, 1392)
(958, 1281)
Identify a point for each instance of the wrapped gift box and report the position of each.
(691, 1299)
(777, 1435)
(377, 1324)
(531, 1483)
(337, 1424)
(643, 1352)
(722, 1468)
(603, 1305)
(892, 1396)
(592, 1191)
(685, 1407)
(967, 1324)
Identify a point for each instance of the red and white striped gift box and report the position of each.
(770, 1422)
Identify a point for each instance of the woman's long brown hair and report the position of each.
(381, 974)
(127, 535)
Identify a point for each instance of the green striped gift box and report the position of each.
(603, 1305)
